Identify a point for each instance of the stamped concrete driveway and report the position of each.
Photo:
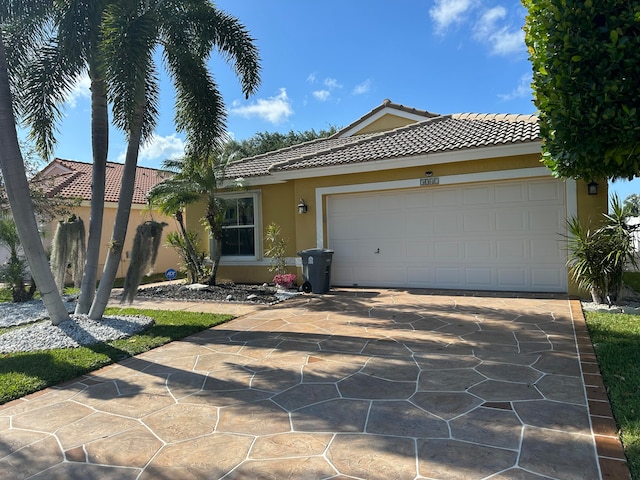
(374, 384)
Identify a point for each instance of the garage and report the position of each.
(502, 235)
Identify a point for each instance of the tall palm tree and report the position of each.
(14, 174)
(195, 179)
(187, 31)
(49, 74)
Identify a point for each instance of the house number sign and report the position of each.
(429, 181)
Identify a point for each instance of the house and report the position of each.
(72, 179)
(408, 198)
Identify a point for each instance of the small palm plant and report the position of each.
(598, 258)
(14, 272)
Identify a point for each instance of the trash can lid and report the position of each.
(314, 251)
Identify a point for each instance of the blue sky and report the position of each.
(331, 62)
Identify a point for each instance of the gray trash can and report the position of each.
(316, 269)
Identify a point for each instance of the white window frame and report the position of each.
(256, 195)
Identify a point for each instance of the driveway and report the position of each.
(371, 384)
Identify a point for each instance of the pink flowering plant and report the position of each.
(285, 280)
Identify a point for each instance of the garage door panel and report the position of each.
(448, 276)
(544, 191)
(541, 219)
(493, 236)
(511, 249)
(545, 276)
(477, 196)
(481, 278)
(546, 249)
(447, 250)
(513, 278)
(509, 193)
(477, 222)
(511, 219)
(446, 198)
(446, 223)
(478, 249)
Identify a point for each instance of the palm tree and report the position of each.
(14, 174)
(194, 180)
(49, 73)
(187, 31)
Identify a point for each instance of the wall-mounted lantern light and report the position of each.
(592, 188)
(302, 207)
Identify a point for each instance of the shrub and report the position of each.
(598, 258)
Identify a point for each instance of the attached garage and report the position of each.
(408, 198)
(502, 235)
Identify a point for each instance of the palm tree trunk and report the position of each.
(100, 146)
(216, 255)
(187, 242)
(17, 188)
(122, 220)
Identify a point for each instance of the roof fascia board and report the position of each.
(406, 162)
(386, 110)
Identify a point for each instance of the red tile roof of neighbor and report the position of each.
(72, 179)
(434, 134)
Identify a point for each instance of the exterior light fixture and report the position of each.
(428, 173)
(302, 207)
(592, 188)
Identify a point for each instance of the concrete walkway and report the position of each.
(367, 384)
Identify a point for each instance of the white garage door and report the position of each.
(490, 236)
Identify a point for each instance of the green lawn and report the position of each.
(616, 338)
(24, 373)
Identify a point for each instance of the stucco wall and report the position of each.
(167, 257)
(279, 205)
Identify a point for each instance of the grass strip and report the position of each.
(27, 372)
(616, 339)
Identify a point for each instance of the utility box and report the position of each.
(316, 269)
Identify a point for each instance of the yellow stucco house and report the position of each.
(72, 179)
(411, 199)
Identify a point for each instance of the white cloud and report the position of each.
(522, 90)
(159, 148)
(362, 88)
(81, 90)
(273, 109)
(322, 95)
(331, 83)
(503, 39)
(447, 12)
(311, 78)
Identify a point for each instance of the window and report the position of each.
(240, 226)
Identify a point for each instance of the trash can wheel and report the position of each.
(306, 287)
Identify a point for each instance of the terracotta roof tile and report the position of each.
(259, 165)
(439, 134)
(72, 179)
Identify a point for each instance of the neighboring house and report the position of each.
(411, 199)
(72, 179)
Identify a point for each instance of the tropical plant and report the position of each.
(195, 179)
(192, 259)
(586, 59)
(277, 249)
(46, 73)
(597, 258)
(13, 172)
(143, 256)
(263, 142)
(117, 40)
(14, 271)
(187, 33)
(68, 249)
(632, 202)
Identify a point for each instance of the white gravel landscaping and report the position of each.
(37, 333)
